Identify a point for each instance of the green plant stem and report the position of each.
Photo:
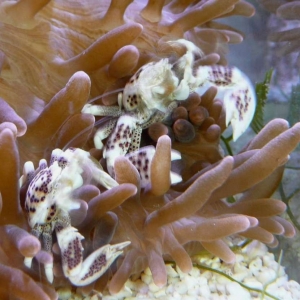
(288, 209)
(292, 168)
(203, 267)
(294, 193)
(226, 143)
(200, 266)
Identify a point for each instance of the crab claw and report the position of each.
(240, 105)
(142, 159)
(237, 92)
(97, 263)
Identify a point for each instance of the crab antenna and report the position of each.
(105, 94)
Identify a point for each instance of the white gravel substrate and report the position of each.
(255, 268)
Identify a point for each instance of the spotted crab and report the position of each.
(49, 200)
(155, 90)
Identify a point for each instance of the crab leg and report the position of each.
(96, 264)
(78, 271)
(103, 132)
(69, 241)
(119, 141)
(236, 90)
(47, 246)
(102, 110)
(35, 231)
(84, 163)
(44, 231)
(97, 171)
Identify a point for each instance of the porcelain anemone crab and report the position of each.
(156, 89)
(49, 200)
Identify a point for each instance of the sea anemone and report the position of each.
(169, 218)
(55, 56)
(109, 41)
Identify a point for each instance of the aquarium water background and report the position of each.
(257, 54)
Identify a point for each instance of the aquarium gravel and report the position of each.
(255, 275)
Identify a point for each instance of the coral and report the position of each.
(55, 56)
